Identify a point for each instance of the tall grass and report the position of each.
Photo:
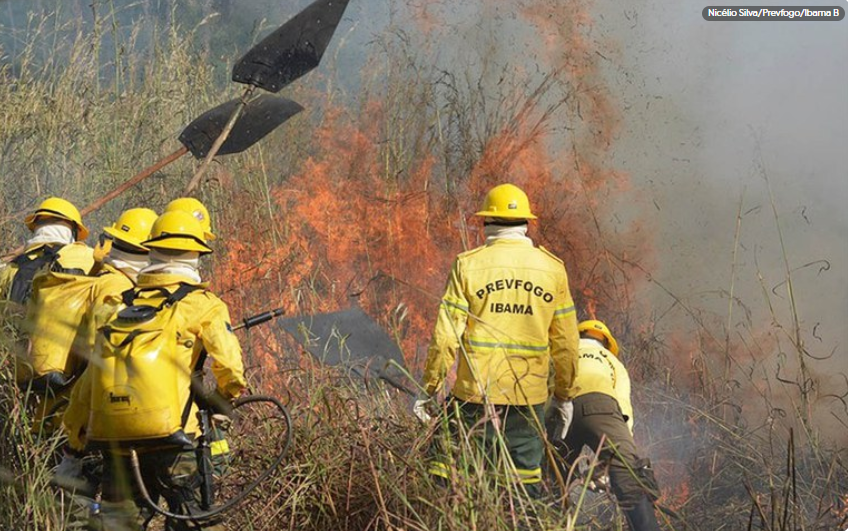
(26, 455)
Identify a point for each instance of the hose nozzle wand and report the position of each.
(256, 320)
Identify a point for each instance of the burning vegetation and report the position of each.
(365, 200)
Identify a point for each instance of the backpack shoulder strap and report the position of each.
(128, 297)
(48, 253)
(180, 294)
(27, 268)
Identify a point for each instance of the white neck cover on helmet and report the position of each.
(185, 264)
(493, 232)
(51, 233)
(128, 263)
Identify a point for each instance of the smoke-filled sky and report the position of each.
(709, 106)
(707, 110)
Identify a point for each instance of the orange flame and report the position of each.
(353, 221)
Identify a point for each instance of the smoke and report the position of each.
(727, 118)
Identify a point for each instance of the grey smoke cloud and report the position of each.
(708, 106)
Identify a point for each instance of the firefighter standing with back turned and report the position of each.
(602, 408)
(126, 257)
(191, 321)
(507, 313)
(55, 256)
(123, 256)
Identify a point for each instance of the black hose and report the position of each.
(215, 511)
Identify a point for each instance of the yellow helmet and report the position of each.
(506, 201)
(133, 226)
(179, 231)
(196, 209)
(56, 207)
(598, 330)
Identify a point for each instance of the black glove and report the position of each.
(214, 402)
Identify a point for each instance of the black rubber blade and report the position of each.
(260, 116)
(291, 50)
(353, 340)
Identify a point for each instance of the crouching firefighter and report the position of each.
(601, 408)
(140, 385)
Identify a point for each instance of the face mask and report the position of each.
(128, 263)
(51, 233)
(186, 264)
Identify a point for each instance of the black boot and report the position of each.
(641, 517)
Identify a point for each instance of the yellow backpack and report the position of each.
(55, 313)
(134, 396)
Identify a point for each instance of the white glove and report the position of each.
(222, 421)
(561, 413)
(69, 471)
(420, 409)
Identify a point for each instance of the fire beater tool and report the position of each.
(350, 339)
(292, 50)
(260, 117)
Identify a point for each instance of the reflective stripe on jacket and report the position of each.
(600, 371)
(508, 310)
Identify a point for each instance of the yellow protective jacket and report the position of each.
(203, 324)
(508, 311)
(7, 275)
(600, 371)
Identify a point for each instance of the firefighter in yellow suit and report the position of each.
(507, 313)
(197, 209)
(56, 310)
(176, 243)
(125, 257)
(602, 409)
(55, 256)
